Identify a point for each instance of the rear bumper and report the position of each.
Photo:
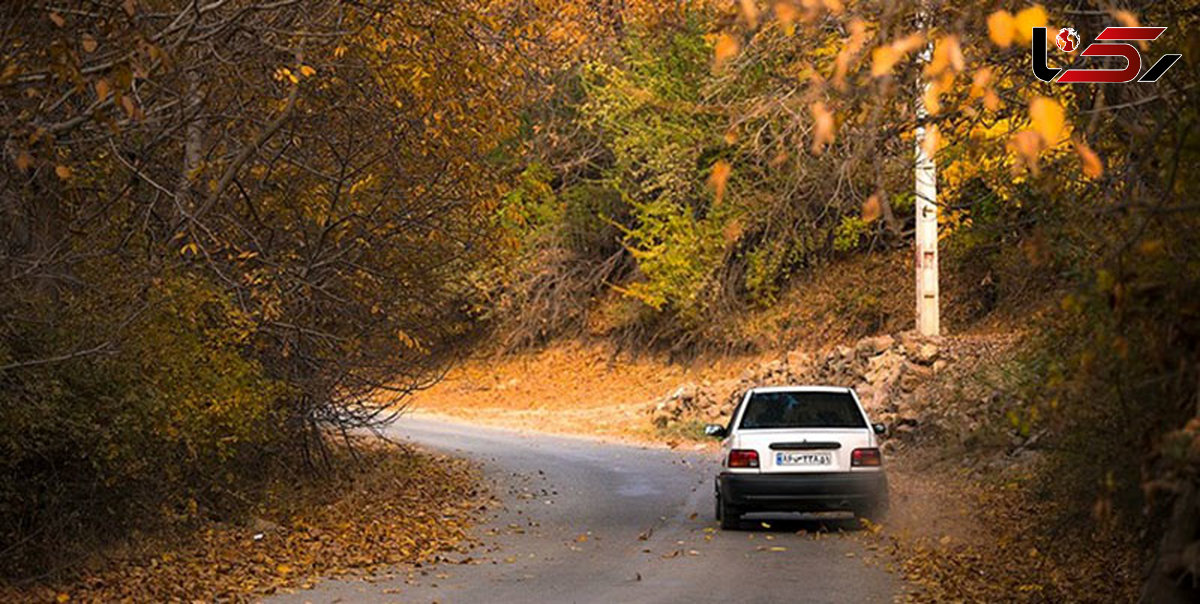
(802, 492)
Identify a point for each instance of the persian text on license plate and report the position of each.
(803, 459)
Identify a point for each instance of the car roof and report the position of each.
(766, 389)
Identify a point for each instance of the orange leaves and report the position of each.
(1000, 28)
(102, 89)
(1089, 162)
(1026, 20)
(946, 62)
(947, 54)
(24, 161)
(823, 126)
(853, 45)
(1125, 18)
(871, 209)
(786, 13)
(884, 58)
(981, 86)
(749, 12)
(1004, 28)
(1048, 120)
(719, 177)
(931, 141)
(1026, 144)
(1128, 19)
(733, 231)
(63, 172)
(1048, 128)
(726, 48)
(932, 100)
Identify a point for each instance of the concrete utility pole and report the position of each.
(927, 227)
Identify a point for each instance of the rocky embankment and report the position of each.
(891, 374)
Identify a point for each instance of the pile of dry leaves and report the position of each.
(958, 538)
(392, 506)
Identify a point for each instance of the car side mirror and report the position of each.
(879, 428)
(715, 431)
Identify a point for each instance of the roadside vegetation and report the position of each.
(234, 234)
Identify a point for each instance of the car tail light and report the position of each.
(866, 457)
(743, 458)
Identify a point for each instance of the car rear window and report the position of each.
(767, 410)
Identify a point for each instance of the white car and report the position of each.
(799, 449)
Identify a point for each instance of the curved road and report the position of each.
(587, 521)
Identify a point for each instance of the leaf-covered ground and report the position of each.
(392, 507)
(958, 537)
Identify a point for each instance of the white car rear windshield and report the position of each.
(767, 410)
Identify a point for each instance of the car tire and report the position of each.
(731, 518)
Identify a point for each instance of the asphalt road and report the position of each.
(586, 521)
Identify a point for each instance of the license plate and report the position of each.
(820, 458)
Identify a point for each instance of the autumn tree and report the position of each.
(230, 228)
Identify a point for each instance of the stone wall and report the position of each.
(886, 371)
